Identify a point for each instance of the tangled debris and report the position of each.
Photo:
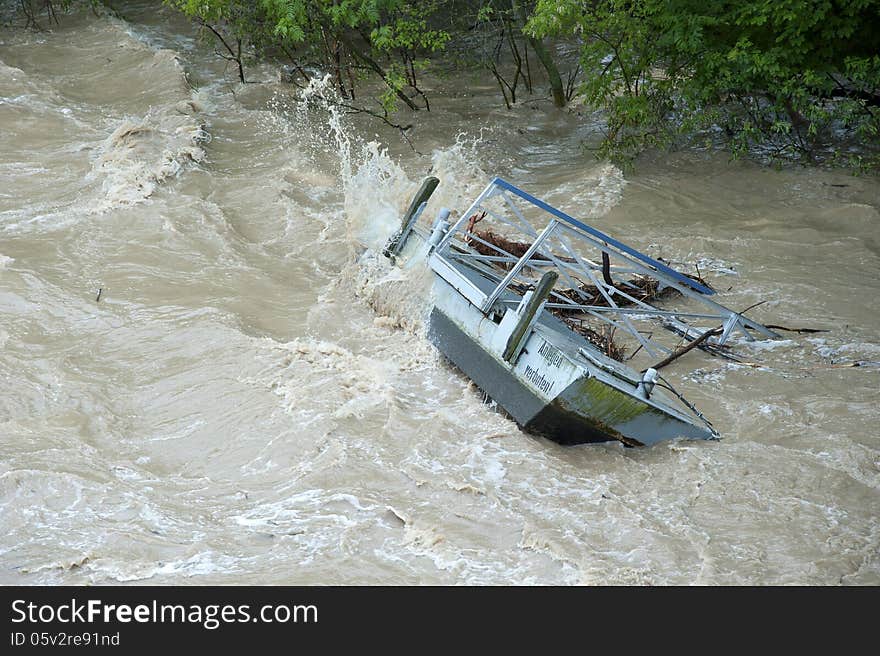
(641, 288)
(604, 340)
(637, 288)
(483, 239)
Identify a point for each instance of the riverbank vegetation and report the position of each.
(782, 80)
(798, 79)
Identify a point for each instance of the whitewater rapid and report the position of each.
(252, 399)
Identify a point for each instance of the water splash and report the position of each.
(374, 186)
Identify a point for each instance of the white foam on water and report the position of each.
(143, 153)
(253, 400)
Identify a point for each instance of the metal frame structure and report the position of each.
(552, 249)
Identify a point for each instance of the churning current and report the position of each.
(206, 376)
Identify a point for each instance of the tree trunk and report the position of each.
(544, 57)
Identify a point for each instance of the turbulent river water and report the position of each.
(249, 401)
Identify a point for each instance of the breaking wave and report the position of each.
(142, 153)
(251, 398)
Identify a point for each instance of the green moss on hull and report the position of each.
(603, 402)
(588, 411)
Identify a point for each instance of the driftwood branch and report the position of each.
(684, 349)
(797, 330)
(606, 269)
(233, 55)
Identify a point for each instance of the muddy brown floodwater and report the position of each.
(253, 401)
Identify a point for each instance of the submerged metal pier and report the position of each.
(580, 255)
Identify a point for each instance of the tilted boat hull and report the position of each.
(503, 312)
(549, 394)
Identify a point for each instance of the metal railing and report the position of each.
(557, 241)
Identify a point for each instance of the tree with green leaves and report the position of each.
(791, 75)
(350, 39)
(793, 79)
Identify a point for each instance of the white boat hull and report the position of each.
(548, 390)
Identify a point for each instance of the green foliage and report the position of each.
(788, 75)
(348, 38)
(796, 79)
(408, 29)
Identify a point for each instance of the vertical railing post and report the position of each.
(490, 300)
(529, 315)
